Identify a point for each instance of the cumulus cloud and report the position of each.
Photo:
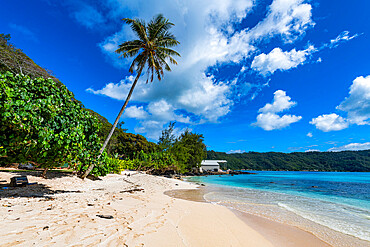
(330, 122)
(352, 147)
(277, 59)
(280, 103)
(272, 121)
(309, 134)
(356, 105)
(268, 119)
(136, 112)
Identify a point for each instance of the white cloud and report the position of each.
(309, 134)
(312, 150)
(280, 103)
(151, 128)
(268, 119)
(330, 122)
(117, 91)
(135, 112)
(277, 59)
(238, 151)
(288, 18)
(272, 121)
(352, 147)
(154, 117)
(357, 104)
(342, 37)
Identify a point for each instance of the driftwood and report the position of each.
(131, 190)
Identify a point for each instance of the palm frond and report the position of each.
(138, 26)
(138, 62)
(152, 47)
(158, 26)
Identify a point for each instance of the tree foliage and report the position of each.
(41, 122)
(130, 145)
(189, 150)
(321, 161)
(167, 138)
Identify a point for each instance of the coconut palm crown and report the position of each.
(152, 49)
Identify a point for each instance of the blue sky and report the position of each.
(254, 75)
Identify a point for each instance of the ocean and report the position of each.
(339, 201)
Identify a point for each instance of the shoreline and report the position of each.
(270, 226)
(66, 211)
(281, 235)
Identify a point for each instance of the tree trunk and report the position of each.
(115, 123)
(44, 173)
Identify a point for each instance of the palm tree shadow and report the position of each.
(36, 190)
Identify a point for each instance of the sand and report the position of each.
(64, 211)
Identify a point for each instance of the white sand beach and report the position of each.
(63, 211)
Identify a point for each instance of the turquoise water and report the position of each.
(338, 200)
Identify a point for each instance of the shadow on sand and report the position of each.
(32, 190)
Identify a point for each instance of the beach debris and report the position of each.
(90, 204)
(132, 190)
(105, 216)
(45, 228)
(18, 181)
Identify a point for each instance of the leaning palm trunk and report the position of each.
(152, 50)
(89, 169)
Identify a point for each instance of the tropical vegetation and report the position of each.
(41, 123)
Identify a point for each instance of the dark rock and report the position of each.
(105, 216)
(26, 166)
(93, 178)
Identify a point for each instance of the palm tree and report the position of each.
(152, 50)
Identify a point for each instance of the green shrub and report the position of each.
(41, 123)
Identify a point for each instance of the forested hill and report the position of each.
(353, 161)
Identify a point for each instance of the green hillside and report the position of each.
(353, 161)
